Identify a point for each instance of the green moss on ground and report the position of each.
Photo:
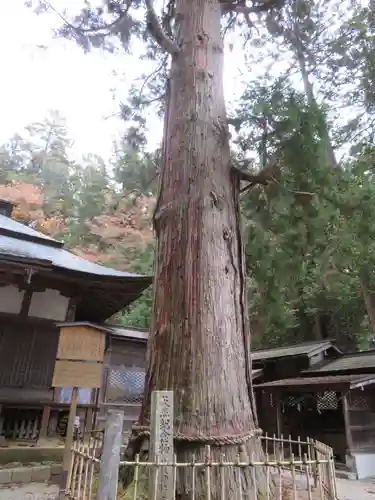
(142, 487)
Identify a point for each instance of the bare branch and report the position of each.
(146, 102)
(153, 74)
(157, 31)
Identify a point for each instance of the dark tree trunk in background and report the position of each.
(198, 341)
(369, 298)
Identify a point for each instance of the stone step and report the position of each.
(346, 474)
(37, 473)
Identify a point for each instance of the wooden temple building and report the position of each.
(42, 285)
(309, 390)
(313, 390)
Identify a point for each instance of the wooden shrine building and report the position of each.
(312, 390)
(41, 285)
(124, 372)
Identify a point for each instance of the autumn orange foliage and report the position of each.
(131, 222)
(28, 206)
(128, 227)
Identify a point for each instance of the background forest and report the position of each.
(304, 131)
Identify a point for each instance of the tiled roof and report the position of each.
(356, 361)
(116, 290)
(304, 348)
(18, 240)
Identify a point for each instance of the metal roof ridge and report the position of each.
(127, 327)
(39, 240)
(25, 232)
(304, 343)
(356, 353)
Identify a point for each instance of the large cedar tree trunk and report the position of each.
(197, 345)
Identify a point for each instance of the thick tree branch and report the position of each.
(157, 31)
(247, 176)
(269, 174)
(265, 176)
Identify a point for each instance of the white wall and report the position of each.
(11, 299)
(49, 305)
(365, 465)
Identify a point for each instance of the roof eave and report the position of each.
(88, 324)
(324, 371)
(87, 312)
(47, 265)
(321, 348)
(339, 387)
(129, 337)
(362, 383)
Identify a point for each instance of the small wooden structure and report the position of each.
(331, 400)
(124, 373)
(42, 285)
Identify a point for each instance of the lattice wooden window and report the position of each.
(292, 401)
(327, 401)
(125, 385)
(359, 400)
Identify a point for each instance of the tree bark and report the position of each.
(198, 341)
(295, 40)
(369, 299)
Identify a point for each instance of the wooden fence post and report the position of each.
(161, 445)
(68, 457)
(110, 459)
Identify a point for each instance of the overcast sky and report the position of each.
(84, 88)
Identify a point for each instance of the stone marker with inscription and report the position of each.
(161, 444)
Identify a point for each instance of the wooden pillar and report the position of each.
(88, 420)
(52, 426)
(110, 460)
(90, 413)
(278, 445)
(45, 421)
(68, 443)
(1, 419)
(348, 433)
(278, 415)
(95, 416)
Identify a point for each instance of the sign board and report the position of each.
(82, 343)
(80, 355)
(161, 444)
(77, 374)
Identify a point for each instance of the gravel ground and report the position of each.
(347, 490)
(355, 490)
(32, 491)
